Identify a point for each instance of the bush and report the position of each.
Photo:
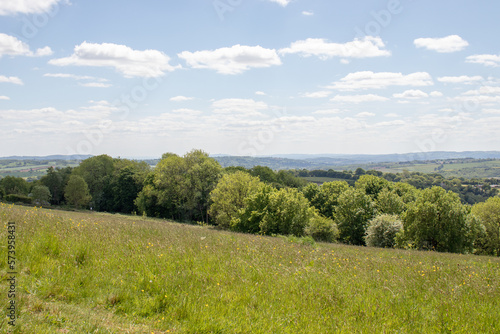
(382, 231)
(14, 198)
(322, 229)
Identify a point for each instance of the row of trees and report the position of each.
(194, 187)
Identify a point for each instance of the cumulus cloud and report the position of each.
(12, 80)
(3, 97)
(238, 106)
(436, 94)
(11, 46)
(486, 59)
(365, 114)
(317, 95)
(411, 94)
(283, 3)
(234, 60)
(95, 84)
(180, 98)
(359, 98)
(484, 90)
(359, 48)
(27, 6)
(371, 80)
(129, 62)
(186, 111)
(260, 93)
(452, 43)
(308, 13)
(463, 79)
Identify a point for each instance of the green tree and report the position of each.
(372, 185)
(325, 197)
(229, 196)
(389, 202)
(489, 214)
(97, 172)
(14, 185)
(382, 231)
(321, 228)
(41, 194)
(353, 212)
(56, 179)
(437, 220)
(77, 191)
(255, 209)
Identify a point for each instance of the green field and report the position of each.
(101, 273)
(32, 169)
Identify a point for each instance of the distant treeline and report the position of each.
(408, 210)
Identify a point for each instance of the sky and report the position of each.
(136, 78)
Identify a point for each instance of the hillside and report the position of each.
(85, 272)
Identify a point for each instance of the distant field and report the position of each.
(321, 180)
(85, 272)
(31, 169)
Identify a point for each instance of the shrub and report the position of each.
(14, 198)
(322, 229)
(382, 231)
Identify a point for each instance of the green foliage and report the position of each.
(325, 197)
(254, 210)
(56, 179)
(322, 229)
(438, 221)
(77, 192)
(14, 185)
(96, 171)
(179, 187)
(41, 194)
(15, 198)
(288, 213)
(229, 195)
(2, 193)
(382, 231)
(389, 202)
(353, 212)
(371, 185)
(489, 214)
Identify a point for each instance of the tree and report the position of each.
(372, 185)
(321, 228)
(382, 231)
(437, 220)
(489, 214)
(179, 187)
(41, 194)
(353, 212)
(77, 191)
(229, 195)
(56, 180)
(255, 209)
(97, 172)
(389, 202)
(14, 185)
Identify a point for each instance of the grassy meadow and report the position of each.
(88, 272)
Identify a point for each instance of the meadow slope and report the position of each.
(81, 272)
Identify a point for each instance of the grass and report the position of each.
(85, 272)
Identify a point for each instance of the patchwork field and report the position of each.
(81, 272)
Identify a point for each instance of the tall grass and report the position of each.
(100, 273)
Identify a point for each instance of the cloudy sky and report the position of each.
(248, 77)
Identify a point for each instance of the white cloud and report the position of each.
(11, 7)
(478, 99)
(390, 123)
(359, 98)
(365, 114)
(327, 112)
(13, 80)
(3, 97)
(391, 115)
(446, 110)
(186, 111)
(308, 13)
(436, 94)
(283, 3)
(487, 60)
(411, 94)
(238, 106)
(260, 93)
(484, 90)
(452, 43)
(359, 48)
(464, 79)
(491, 111)
(234, 60)
(11, 46)
(317, 95)
(96, 84)
(180, 98)
(371, 80)
(129, 62)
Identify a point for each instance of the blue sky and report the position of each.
(248, 77)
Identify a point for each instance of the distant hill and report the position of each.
(48, 157)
